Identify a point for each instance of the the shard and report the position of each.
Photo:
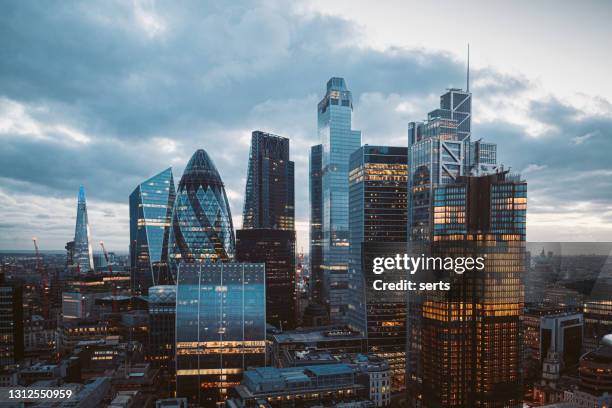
(83, 254)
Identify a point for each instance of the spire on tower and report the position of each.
(468, 68)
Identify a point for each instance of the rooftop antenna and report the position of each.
(468, 68)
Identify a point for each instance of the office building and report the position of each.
(269, 196)
(201, 228)
(562, 334)
(82, 254)
(316, 224)
(440, 151)
(276, 249)
(162, 315)
(268, 234)
(220, 327)
(11, 323)
(597, 322)
(364, 384)
(465, 343)
(151, 205)
(339, 140)
(377, 220)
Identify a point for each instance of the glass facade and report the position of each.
(202, 228)
(220, 327)
(82, 254)
(339, 141)
(151, 206)
(465, 343)
(377, 217)
(269, 196)
(316, 219)
(276, 249)
(162, 315)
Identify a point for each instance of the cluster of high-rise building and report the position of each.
(218, 315)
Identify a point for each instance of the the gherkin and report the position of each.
(202, 228)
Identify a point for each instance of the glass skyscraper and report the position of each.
(269, 194)
(82, 251)
(151, 206)
(339, 140)
(377, 218)
(440, 151)
(465, 347)
(220, 327)
(316, 220)
(268, 234)
(202, 228)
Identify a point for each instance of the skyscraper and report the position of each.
(11, 323)
(465, 348)
(339, 141)
(220, 305)
(82, 252)
(276, 249)
(269, 194)
(202, 228)
(220, 327)
(151, 205)
(377, 218)
(316, 219)
(268, 234)
(440, 151)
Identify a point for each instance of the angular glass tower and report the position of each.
(339, 141)
(269, 196)
(83, 254)
(202, 228)
(151, 206)
(220, 327)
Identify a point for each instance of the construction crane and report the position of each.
(42, 271)
(110, 270)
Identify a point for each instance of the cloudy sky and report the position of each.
(107, 94)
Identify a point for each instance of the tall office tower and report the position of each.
(150, 216)
(316, 219)
(11, 323)
(269, 196)
(276, 249)
(465, 347)
(82, 252)
(440, 151)
(339, 141)
(201, 228)
(220, 327)
(378, 201)
(162, 320)
(268, 234)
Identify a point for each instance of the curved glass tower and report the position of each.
(202, 228)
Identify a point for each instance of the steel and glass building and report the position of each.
(339, 140)
(465, 343)
(268, 234)
(220, 327)
(82, 254)
(441, 150)
(11, 323)
(201, 228)
(377, 219)
(316, 220)
(151, 205)
(162, 324)
(276, 249)
(269, 196)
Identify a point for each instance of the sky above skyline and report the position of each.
(108, 94)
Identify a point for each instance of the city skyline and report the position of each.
(58, 134)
